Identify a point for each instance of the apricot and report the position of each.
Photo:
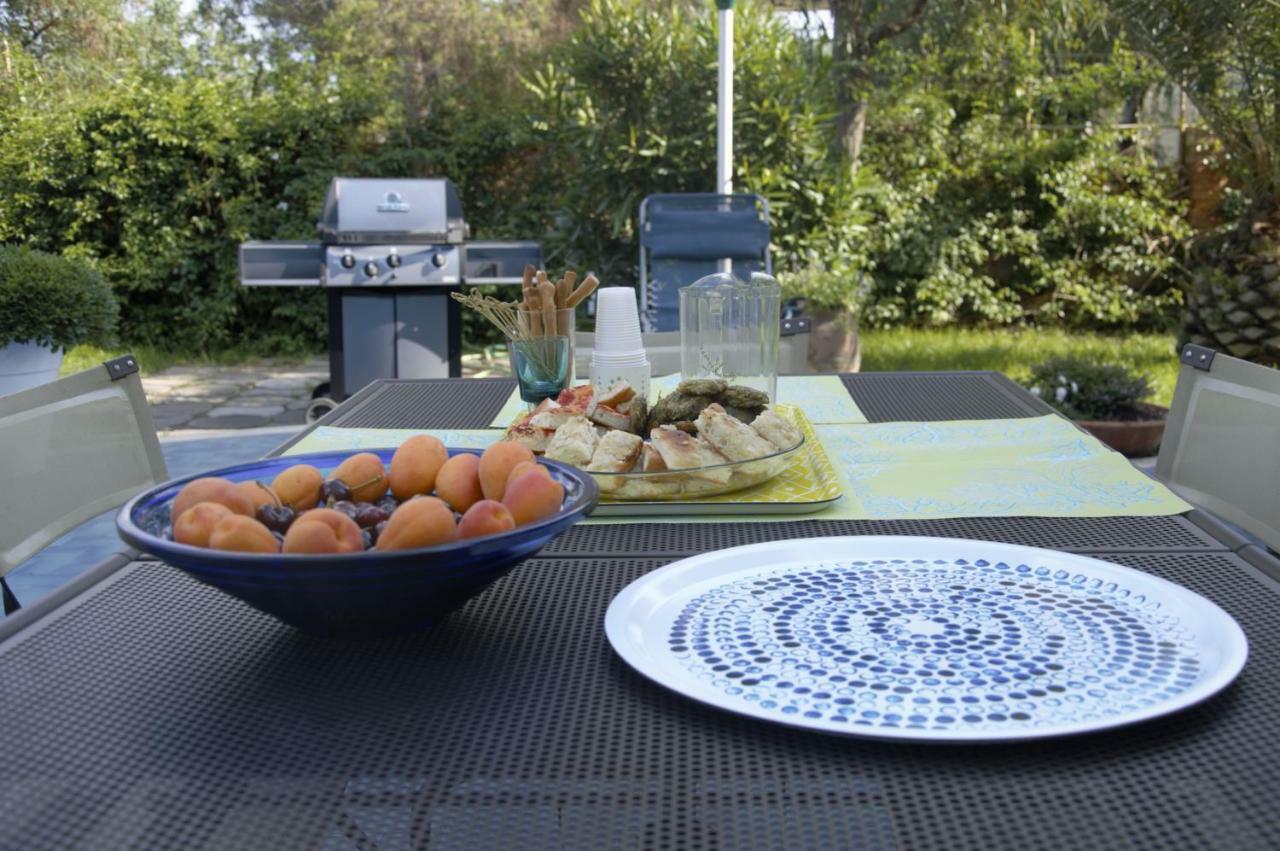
(258, 493)
(194, 525)
(496, 465)
(458, 482)
(242, 534)
(422, 522)
(486, 517)
(364, 474)
(415, 465)
(210, 489)
(532, 497)
(323, 530)
(299, 486)
(526, 467)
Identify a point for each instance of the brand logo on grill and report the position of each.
(392, 202)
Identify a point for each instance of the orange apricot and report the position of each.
(526, 467)
(486, 517)
(194, 525)
(415, 465)
(422, 522)
(242, 534)
(299, 486)
(364, 474)
(496, 465)
(323, 530)
(532, 497)
(458, 482)
(210, 489)
(258, 493)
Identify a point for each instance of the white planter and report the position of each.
(26, 365)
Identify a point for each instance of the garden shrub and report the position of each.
(1084, 390)
(54, 301)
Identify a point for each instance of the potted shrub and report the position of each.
(1105, 400)
(47, 304)
(833, 295)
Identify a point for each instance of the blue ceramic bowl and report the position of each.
(367, 593)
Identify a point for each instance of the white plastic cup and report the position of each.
(617, 321)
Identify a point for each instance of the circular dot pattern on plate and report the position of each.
(934, 645)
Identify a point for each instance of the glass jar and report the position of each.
(729, 329)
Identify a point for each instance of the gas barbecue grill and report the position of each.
(389, 254)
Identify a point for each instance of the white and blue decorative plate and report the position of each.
(925, 639)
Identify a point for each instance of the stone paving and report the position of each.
(232, 397)
(264, 393)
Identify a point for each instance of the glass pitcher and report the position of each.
(729, 329)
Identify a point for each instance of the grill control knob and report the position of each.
(371, 269)
(348, 261)
(438, 260)
(394, 261)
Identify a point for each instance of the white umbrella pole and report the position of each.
(724, 110)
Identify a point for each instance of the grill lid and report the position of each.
(416, 210)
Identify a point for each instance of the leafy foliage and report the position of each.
(1084, 390)
(1227, 56)
(998, 209)
(153, 151)
(54, 301)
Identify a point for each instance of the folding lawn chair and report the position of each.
(1221, 447)
(69, 450)
(684, 237)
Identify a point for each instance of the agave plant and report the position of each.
(1226, 56)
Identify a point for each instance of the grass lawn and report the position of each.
(153, 360)
(1014, 352)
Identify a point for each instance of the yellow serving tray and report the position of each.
(808, 485)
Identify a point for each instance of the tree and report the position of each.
(1226, 55)
(860, 28)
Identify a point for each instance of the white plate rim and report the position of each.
(618, 625)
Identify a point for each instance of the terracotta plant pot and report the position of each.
(1132, 438)
(833, 343)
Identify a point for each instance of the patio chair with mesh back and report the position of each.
(72, 449)
(684, 237)
(1221, 447)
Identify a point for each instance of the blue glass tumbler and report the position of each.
(541, 366)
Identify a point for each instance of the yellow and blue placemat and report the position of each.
(1039, 466)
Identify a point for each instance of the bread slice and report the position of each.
(773, 428)
(617, 452)
(553, 418)
(537, 439)
(731, 437)
(574, 443)
(651, 460)
(604, 415)
(682, 451)
(617, 395)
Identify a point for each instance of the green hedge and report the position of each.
(55, 301)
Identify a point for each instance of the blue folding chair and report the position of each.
(684, 237)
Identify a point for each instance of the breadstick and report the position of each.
(563, 288)
(526, 283)
(547, 294)
(532, 314)
(584, 289)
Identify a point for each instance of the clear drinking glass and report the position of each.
(542, 366)
(729, 329)
(533, 325)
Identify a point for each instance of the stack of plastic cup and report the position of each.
(619, 353)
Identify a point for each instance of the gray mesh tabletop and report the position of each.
(152, 712)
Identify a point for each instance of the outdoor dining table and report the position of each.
(142, 709)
